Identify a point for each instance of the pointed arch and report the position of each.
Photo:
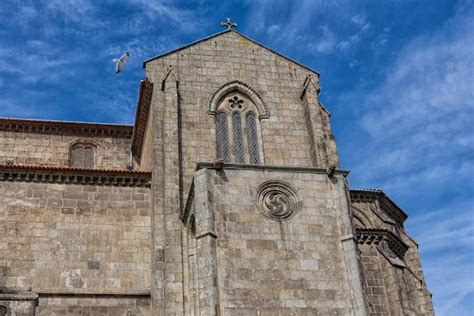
(242, 87)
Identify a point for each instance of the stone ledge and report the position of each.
(233, 166)
(19, 296)
(128, 294)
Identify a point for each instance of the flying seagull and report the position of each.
(119, 62)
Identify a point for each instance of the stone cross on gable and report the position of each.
(229, 24)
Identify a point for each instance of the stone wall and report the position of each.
(94, 305)
(53, 150)
(239, 261)
(394, 284)
(75, 239)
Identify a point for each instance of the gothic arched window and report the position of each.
(238, 130)
(82, 155)
(252, 138)
(223, 136)
(238, 139)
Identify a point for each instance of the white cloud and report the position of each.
(359, 20)
(326, 42)
(38, 61)
(450, 248)
(354, 39)
(166, 12)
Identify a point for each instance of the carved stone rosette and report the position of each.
(278, 199)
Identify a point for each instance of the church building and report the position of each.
(225, 197)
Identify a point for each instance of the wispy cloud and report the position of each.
(423, 107)
(326, 42)
(420, 146)
(183, 18)
(362, 27)
(448, 243)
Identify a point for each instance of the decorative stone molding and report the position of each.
(236, 85)
(374, 236)
(371, 195)
(278, 199)
(18, 303)
(362, 217)
(42, 174)
(141, 117)
(65, 128)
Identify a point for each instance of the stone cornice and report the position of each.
(370, 195)
(65, 128)
(85, 293)
(232, 166)
(141, 117)
(18, 296)
(46, 174)
(377, 236)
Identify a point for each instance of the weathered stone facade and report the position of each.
(224, 198)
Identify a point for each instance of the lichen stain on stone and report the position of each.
(73, 279)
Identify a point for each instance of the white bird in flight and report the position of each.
(119, 62)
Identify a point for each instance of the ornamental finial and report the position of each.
(229, 24)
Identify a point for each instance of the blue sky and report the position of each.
(396, 75)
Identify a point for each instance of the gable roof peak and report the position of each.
(230, 30)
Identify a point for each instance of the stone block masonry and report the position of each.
(75, 239)
(250, 263)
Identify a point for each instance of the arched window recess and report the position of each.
(238, 111)
(82, 154)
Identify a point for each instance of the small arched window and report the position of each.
(238, 130)
(82, 155)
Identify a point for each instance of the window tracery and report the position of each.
(237, 129)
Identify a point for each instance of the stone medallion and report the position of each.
(278, 199)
